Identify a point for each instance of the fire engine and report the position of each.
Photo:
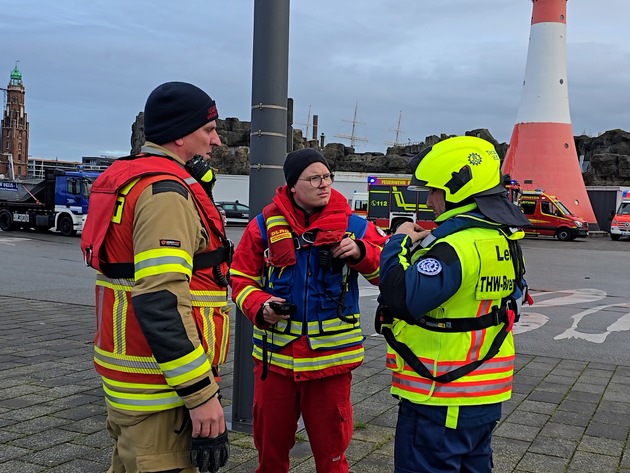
(390, 203)
(547, 214)
(620, 225)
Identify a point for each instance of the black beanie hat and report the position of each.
(297, 161)
(176, 109)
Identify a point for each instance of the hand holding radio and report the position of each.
(283, 308)
(276, 309)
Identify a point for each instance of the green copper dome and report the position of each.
(16, 76)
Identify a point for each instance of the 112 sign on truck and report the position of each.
(390, 203)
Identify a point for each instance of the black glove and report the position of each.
(382, 317)
(210, 453)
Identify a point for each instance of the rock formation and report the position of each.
(605, 159)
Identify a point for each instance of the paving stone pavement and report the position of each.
(565, 416)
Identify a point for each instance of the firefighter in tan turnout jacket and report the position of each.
(158, 243)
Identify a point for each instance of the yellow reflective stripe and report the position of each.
(162, 260)
(119, 321)
(295, 327)
(276, 220)
(124, 190)
(219, 293)
(335, 340)
(311, 364)
(209, 331)
(209, 304)
(275, 338)
(115, 284)
(140, 387)
(452, 415)
(244, 294)
(142, 402)
(100, 294)
(282, 361)
(332, 324)
(225, 336)
(256, 278)
(403, 256)
(187, 367)
(327, 361)
(451, 393)
(373, 275)
(126, 363)
(120, 287)
(209, 298)
(120, 200)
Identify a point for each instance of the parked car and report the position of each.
(235, 211)
(222, 213)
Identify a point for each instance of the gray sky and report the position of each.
(449, 66)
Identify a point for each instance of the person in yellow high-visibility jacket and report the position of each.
(449, 298)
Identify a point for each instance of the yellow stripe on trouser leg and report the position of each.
(452, 414)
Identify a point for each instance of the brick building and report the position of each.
(14, 138)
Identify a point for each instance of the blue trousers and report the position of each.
(423, 446)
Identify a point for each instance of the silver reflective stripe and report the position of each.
(295, 327)
(488, 364)
(123, 282)
(275, 338)
(208, 298)
(277, 359)
(430, 238)
(99, 314)
(188, 367)
(207, 317)
(150, 366)
(342, 358)
(154, 402)
(334, 340)
(451, 388)
(328, 325)
(120, 321)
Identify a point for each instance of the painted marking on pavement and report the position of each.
(529, 321)
(621, 325)
(567, 297)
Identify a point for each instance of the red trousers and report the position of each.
(327, 412)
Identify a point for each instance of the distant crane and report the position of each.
(398, 132)
(308, 122)
(353, 137)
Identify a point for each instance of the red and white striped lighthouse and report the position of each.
(542, 152)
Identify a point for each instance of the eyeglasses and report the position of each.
(316, 181)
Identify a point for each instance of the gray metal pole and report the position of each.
(268, 147)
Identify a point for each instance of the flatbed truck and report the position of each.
(59, 201)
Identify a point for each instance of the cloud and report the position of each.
(448, 66)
